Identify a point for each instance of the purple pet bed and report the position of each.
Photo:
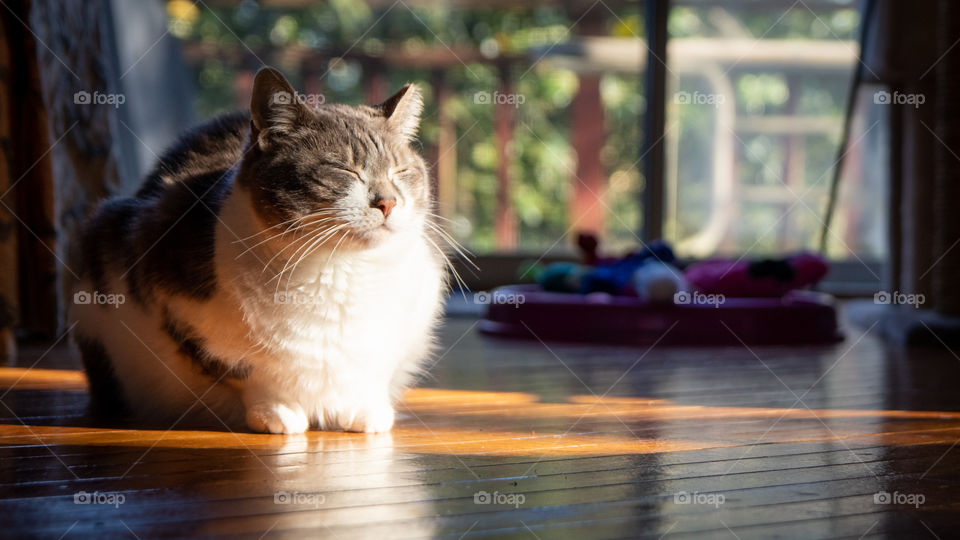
(799, 318)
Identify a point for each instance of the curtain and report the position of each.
(58, 152)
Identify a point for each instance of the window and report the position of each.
(758, 97)
(532, 115)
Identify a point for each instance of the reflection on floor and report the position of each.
(522, 439)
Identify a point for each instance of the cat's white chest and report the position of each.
(340, 333)
(353, 312)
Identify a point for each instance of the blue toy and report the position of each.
(648, 273)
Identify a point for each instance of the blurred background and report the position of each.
(721, 126)
(565, 151)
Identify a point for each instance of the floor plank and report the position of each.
(567, 441)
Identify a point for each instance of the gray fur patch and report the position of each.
(106, 394)
(175, 239)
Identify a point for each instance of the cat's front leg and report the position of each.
(370, 412)
(268, 413)
(376, 417)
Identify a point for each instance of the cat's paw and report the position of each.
(377, 419)
(277, 418)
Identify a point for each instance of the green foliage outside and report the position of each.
(542, 160)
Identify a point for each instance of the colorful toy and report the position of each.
(647, 273)
(656, 281)
(616, 277)
(562, 277)
(634, 300)
(758, 279)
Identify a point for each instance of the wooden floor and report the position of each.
(523, 440)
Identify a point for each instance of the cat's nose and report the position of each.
(385, 204)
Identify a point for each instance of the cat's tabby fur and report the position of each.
(276, 269)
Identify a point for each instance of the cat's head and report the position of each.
(347, 170)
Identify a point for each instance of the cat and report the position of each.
(278, 270)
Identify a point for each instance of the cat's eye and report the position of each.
(352, 172)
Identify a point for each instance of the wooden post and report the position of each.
(376, 84)
(505, 220)
(243, 88)
(312, 83)
(587, 136)
(445, 160)
(793, 169)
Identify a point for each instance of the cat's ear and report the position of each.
(402, 111)
(275, 105)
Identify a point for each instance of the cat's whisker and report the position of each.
(462, 251)
(438, 216)
(453, 244)
(345, 234)
(304, 239)
(452, 241)
(268, 239)
(291, 222)
(310, 248)
(264, 231)
(440, 230)
(293, 228)
(307, 235)
(258, 244)
(456, 275)
(298, 244)
(457, 247)
(314, 240)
